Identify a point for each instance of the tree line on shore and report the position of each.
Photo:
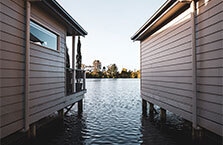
(112, 72)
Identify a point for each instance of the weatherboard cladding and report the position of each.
(12, 63)
(166, 67)
(47, 68)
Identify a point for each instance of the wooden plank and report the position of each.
(12, 21)
(11, 56)
(12, 38)
(45, 51)
(9, 91)
(168, 84)
(217, 99)
(217, 18)
(12, 30)
(210, 64)
(39, 67)
(8, 82)
(167, 50)
(180, 92)
(11, 117)
(169, 107)
(210, 81)
(212, 8)
(46, 105)
(19, 2)
(184, 73)
(209, 47)
(210, 29)
(48, 111)
(11, 108)
(51, 55)
(178, 60)
(174, 41)
(45, 61)
(169, 96)
(45, 18)
(215, 72)
(210, 115)
(217, 90)
(12, 13)
(11, 100)
(210, 125)
(74, 98)
(178, 31)
(176, 67)
(216, 108)
(181, 54)
(11, 128)
(44, 99)
(13, 48)
(11, 73)
(170, 79)
(176, 55)
(181, 23)
(34, 81)
(46, 92)
(14, 7)
(209, 38)
(34, 88)
(39, 74)
(210, 55)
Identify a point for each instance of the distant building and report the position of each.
(97, 65)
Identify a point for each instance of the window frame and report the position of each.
(49, 29)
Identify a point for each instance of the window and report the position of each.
(42, 36)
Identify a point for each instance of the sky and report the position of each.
(110, 25)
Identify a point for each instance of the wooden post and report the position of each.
(194, 65)
(80, 107)
(197, 133)
(151, 108)
(73, 64)
(27, 68)
(32, 131)
(144, 107)
(162, 114)
(61, 113)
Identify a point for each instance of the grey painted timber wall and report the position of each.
(12, 60)
(47, 71)
(166, 65)
(47, 68)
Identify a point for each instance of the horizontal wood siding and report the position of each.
(166, 68)
(12, 58)
(47, 76)
(209, 35)
(166, 72)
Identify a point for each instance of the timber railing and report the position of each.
(75, 80)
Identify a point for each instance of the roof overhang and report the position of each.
(167, 12)
(54, 8)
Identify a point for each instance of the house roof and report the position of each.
(73, 28)
(167, 12)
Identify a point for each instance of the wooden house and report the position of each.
(181, 61)
(34, 79)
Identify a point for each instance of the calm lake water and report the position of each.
(113, 115)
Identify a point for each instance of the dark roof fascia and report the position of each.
(52, 4)
(164, 9)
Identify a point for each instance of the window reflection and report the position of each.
(42, 36)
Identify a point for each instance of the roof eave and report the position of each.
(76, 28)
(169, 10)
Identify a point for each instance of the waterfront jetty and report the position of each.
(36, 80)
(181, 62)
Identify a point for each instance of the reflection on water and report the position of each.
(112, 115)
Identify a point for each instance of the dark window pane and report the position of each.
(42, 36)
